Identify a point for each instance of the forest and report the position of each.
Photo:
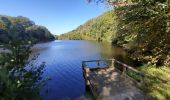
(100, 29)
(22, 28)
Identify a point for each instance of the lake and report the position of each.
(63, 66)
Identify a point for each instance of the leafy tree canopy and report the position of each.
(16, 28)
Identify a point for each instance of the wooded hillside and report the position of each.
(141, 27)
(102, 28)
(22, 28)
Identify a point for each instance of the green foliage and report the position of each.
(114, 3)
(39, 33)
(16, 28)
(143, 30)
(19, 78)
(100, 29)
(157, 82)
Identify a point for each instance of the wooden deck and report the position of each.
(109, 83)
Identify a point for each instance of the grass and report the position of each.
(157, 81)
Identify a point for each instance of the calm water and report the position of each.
(63, 65)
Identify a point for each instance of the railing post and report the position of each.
(113, 61)
(142, 79)
(124, 70)
(83, 68)
(98, 63)
(82, 64)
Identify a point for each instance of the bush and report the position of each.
(19, 78)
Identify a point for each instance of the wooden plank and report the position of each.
(91, 81)
(107, 86)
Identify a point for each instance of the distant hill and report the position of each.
(22, 28)
(101, 28)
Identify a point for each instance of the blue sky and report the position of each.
(59, 16)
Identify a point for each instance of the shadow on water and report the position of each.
(64, 66)
(109, 51)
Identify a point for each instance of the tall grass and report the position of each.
(157, 82)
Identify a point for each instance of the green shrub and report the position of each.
(19, 78)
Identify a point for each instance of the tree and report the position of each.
(101, 29)
(114, 3)
(19, 78)
(12, 28)
(26, 22)
(143, 29)
(39, 33)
